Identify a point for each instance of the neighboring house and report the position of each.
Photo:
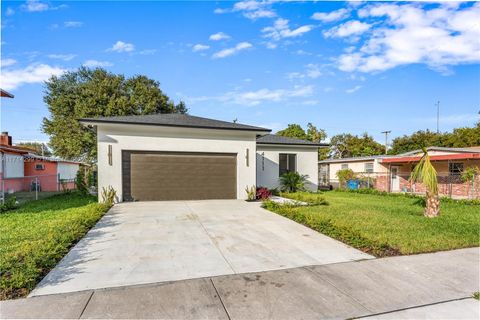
(182, 157)
(22, 170)
(391, 173)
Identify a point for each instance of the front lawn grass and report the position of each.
(385, 225)
(34, 237)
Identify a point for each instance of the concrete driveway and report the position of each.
(148, 242)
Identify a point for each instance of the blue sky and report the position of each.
(346, 67)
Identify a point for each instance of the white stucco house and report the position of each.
(183, 157)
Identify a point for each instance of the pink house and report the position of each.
(23, 170)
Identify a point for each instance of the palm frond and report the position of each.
(425, 173)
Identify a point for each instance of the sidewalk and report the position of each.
(436, 284)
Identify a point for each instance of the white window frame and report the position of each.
(368, 168)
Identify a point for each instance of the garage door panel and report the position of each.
(160, 176)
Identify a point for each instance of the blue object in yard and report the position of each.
(353, 184)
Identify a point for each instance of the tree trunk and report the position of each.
(432, 208)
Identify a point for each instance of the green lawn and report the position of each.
(34, 237)
(386, 225)
(26, 196)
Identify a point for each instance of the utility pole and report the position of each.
(438, 116)
(386, 139)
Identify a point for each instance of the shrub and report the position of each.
(293, 181)
(91, 178)
(344, 175)
(80, 182)
(275, 192)
(310, 198)
(9, 204)
(108, 196)
(263, 193)
(251, 193)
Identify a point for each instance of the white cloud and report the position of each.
(347, 29)
(121, 46)
(438, 36)
(219, 36)
(247, 5)
(332, 16)
(231, 51)
(354, 89)
(271, 45)
(301, 52)
(220, 11)
(260, 14)
(64, 57)
(72, 24)
(312, 71)
(34, 73)
(254, 9)
(38, 6)
(252, 98)
(9, 12)
(7, 62)
(148, 52)
(35, 6)
(96, 64)
(200, 47)
(281, 29)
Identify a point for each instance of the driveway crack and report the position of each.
(212, 238)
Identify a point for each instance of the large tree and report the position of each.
(89, 93)
(417, 140)
(293, 130)
(312, 134)
(458, 138)
(347, 145)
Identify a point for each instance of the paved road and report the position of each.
(420, 286)
(145, 242)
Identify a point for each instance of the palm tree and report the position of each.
(293, 181)
(425, 173)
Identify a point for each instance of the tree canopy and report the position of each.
(89, 93)
(346, 145)
(313, 134)
(39, 147)
(458, 138)
(294, 130)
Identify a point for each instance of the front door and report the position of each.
(395, 181)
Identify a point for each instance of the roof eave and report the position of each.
(94, 121)
(291, 144)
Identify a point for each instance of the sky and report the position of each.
(346, 67)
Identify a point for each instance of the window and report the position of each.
(369, 167)
(455, 168)
(288, 163)
(344, 166)
(39, 166)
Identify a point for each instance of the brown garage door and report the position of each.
(151, 176)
